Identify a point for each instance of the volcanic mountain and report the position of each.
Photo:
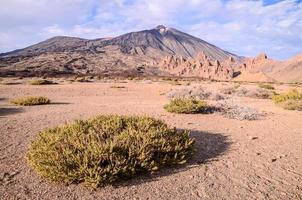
(132, 53)
(160, 51)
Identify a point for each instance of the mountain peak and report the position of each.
(160, 27)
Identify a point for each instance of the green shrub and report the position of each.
(187, 106)
(30, 101)
(41, 82)
(107, 148)
(266, 86)
(290, 95)
(292, 100)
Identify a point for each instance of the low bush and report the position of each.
(292, 100)
(107, 148)
(290, 95)
(266, 86)
(30, 101)
(41, 82)
(187, 106)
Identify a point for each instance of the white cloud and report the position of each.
(241, 26)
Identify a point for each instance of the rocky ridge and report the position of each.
(200, 66)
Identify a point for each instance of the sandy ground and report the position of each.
(234, 159)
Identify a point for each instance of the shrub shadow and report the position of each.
(59, 103)
(9, 111)
(208, 147)
(210, 110)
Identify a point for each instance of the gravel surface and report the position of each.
(234, 159)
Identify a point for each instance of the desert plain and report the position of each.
(234, 159)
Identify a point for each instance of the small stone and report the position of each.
(274, 159)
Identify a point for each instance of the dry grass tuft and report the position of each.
(266, 86)
(30, 101)
(107, 148)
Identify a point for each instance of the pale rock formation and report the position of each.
(200, 66)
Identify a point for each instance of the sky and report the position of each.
(243, 27)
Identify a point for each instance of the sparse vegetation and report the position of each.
(107, 148)
(41, 82)
(82, 79)
(175, 82)
(258, 93)
(30, 101)
(233, 110)
(117, 87)
(194, 92)
(187, 106)
(10, 82)
(228, 90)
(266, 86)
(237, 86)
(290, 95)
(292, 100)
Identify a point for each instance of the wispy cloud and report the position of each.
(240, 26)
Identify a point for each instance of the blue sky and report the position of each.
(244, 27)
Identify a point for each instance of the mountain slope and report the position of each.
(55, 44)
(170, 41)
(289, 70)
(166, 40)
(134, 53)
